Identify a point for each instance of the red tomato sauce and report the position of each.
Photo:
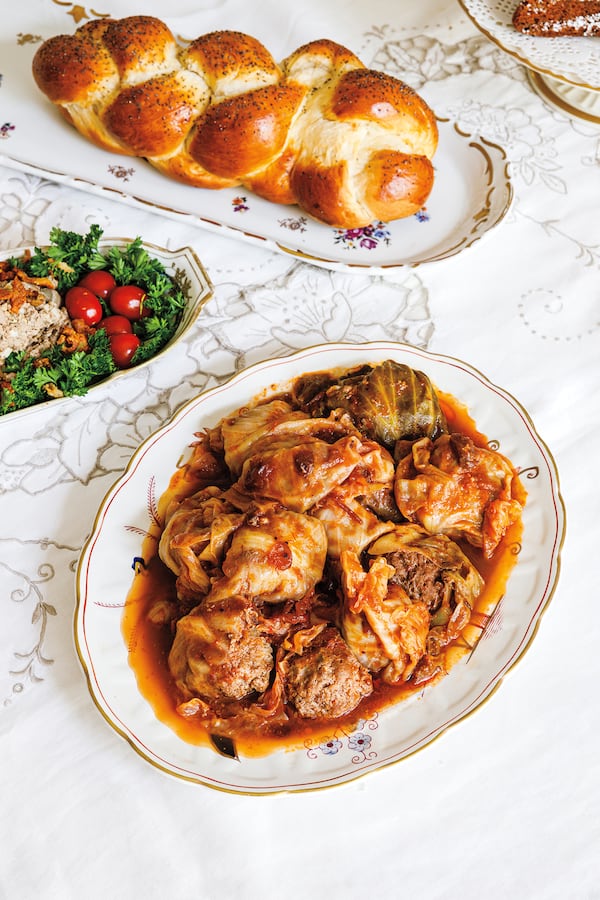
(148, 645)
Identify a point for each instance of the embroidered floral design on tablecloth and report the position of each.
(547, 314)
(30, 207)
(239, 204)
(592, 159)
(532, 152)
(29, 593)
(422, 59)
(588, 254)
(83, 441)
(5, 130)
(319, 306)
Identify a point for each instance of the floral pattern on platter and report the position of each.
(122, 173)
(78, 13)
(294, 223)
(239, 204)
(28, 38)
(355, 740)
(367, 238)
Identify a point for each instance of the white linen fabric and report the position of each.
(505, 804)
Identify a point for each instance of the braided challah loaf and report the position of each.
(348, 144)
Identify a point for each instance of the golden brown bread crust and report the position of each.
(400, 182)
(259, 119)
(69, 67)
(347, 144)
(154, 117)
(222, 57)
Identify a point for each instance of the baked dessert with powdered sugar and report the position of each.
(558, 18)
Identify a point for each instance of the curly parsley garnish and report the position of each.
(25, 381)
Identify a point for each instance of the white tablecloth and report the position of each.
(504, 804)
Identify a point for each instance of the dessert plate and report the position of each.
(564, 70)
(105, 577)
(471, 194)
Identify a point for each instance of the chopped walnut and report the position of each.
(53, 391)
(71, 341)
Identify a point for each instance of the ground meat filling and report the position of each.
(419, 576)
(219, 653)
(326, 680)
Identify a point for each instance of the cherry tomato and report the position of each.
(122, 347)
(99, 282)
(82, 304)
(116, 325)
(128, 300)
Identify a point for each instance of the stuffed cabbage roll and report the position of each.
(382, 626)
(387, 402)
(297, 471)
(219, 653)
(362, 507)
(451, 486)
(194, 538)
(275, 555)
(239, 433)
(322, 677)
(252, 430)
(431, 568)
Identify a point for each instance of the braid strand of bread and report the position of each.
(348, 144)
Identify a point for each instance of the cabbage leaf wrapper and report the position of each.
(388, 402)
(451, 486)
(415, 597)
(431, 568)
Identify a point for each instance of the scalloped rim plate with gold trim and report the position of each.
(573, 59)
(472, 189)
(563, 70)
(105, 577)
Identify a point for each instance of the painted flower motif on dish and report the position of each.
(239, 204)
(367, 238)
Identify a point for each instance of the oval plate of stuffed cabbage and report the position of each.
(315, 568)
